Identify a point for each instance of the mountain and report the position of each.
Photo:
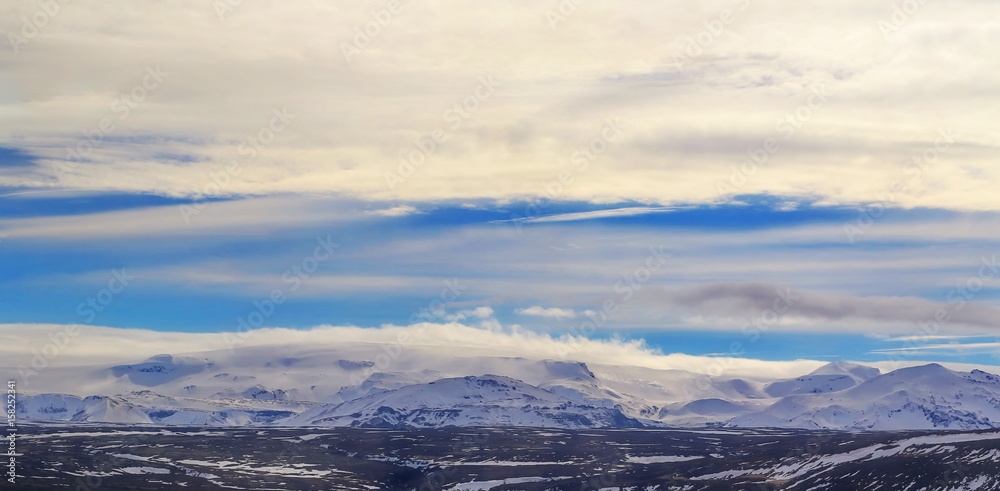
(922, 397)
(487, 400)
(832, 377)
(358, 385)
(147, 407)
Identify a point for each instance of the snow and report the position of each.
(487, 485)
(297, 385)
(661, 459)
(131, 457)
(921, 397)
(487, 400)
(296, 470)
(144, 470)
(311, 436)
(503, 463)
(722, 475)
(819, 464)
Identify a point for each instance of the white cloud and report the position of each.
(100, 347)
(105, 346)
(249, 217)
(551, 312)
(396, 211)
(879, 284)
(592, 215)
(686, 126)
(955, 348)
(924, 338)
(477, 313)
(482, 312)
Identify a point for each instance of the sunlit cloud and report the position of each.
(551, 312)
(266, 100)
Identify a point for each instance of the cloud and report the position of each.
(593, 215)
(954, 348)
(95, 347)
(249, 217)
(760, 300)
(552, 312)
(925, 338)
(355, 120)
(482, 312)
(873, 285)
(396, 211)
(105, 346)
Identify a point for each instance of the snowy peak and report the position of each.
(488, 400)
(383, 381)
(146, 407)
(832, 377)
(856, 371)
(920, 397)
(923, 379)
(339, 386)
(486, 388)
(922, 371)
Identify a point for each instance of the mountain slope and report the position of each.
(488, 400)
(922, 397)
(357, 385)
(832, 377)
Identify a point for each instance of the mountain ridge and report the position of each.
(318, 388)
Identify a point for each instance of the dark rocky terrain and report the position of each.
(92, 457)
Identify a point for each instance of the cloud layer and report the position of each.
(649, 101)
(90, 347)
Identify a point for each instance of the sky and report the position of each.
(766, 180)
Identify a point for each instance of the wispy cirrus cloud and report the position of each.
(924, 338)
(550, 312)
(955, 349)
(395, 211)
(594, 215)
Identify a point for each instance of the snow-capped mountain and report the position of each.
(487, 400)
(360, 386)
(833, 377)
(929, 396)
(147, 407)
